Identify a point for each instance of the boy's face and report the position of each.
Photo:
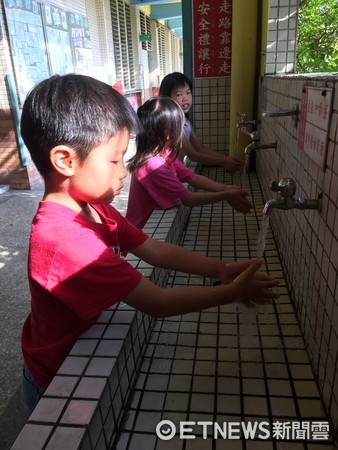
(100, 178)
(183, 97)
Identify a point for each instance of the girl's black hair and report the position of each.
(173, 81)
(74, 110)
(162, 120)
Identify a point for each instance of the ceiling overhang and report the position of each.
(162, 10)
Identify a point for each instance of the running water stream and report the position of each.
(237, 140)
(246, 165)
(249, 314)
(262, 236)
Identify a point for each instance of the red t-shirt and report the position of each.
(75, 272)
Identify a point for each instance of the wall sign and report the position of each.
(315, 116)
(58, 39)
(81, 45)
(27, 42)
(46, 40)
(212, 38)
(145, 37)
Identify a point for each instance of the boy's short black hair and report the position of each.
(173, 81)
(74, 110)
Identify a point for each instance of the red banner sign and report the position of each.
(212, 36)
(314, 123)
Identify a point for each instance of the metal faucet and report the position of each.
(255, 137)
(285, 200)
(255, 146)
(245, 121)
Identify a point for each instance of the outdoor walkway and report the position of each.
(16, 212)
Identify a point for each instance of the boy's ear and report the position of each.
(63, 160)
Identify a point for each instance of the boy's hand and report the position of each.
(233, 164)
(229, 271)
(253, 286)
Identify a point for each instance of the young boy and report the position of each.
(179, 87)
(77, 130)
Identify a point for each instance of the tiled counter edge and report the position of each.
(85, 404)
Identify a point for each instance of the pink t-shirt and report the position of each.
(75, 272)
(156, 184)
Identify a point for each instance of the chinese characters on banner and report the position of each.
(212, 36)
(314, 123)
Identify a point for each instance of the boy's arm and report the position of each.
(171, 256)
(163, 302)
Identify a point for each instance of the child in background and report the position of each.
(179, 87)
(77, 130)
(158, 176)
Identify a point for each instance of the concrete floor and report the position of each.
(16, 211)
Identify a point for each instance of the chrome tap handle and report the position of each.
(274, 186)
(243, 116)
(286, 187)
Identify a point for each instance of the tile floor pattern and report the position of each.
(227, 364)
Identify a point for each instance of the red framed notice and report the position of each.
(212, 38)
(314, 123)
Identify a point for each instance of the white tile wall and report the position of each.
(211, 112)
(307, 240)
(280, 55)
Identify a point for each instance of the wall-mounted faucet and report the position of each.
(294, 112)
(255, 138)
(286, 189)
(245, 121)
(254, 145)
